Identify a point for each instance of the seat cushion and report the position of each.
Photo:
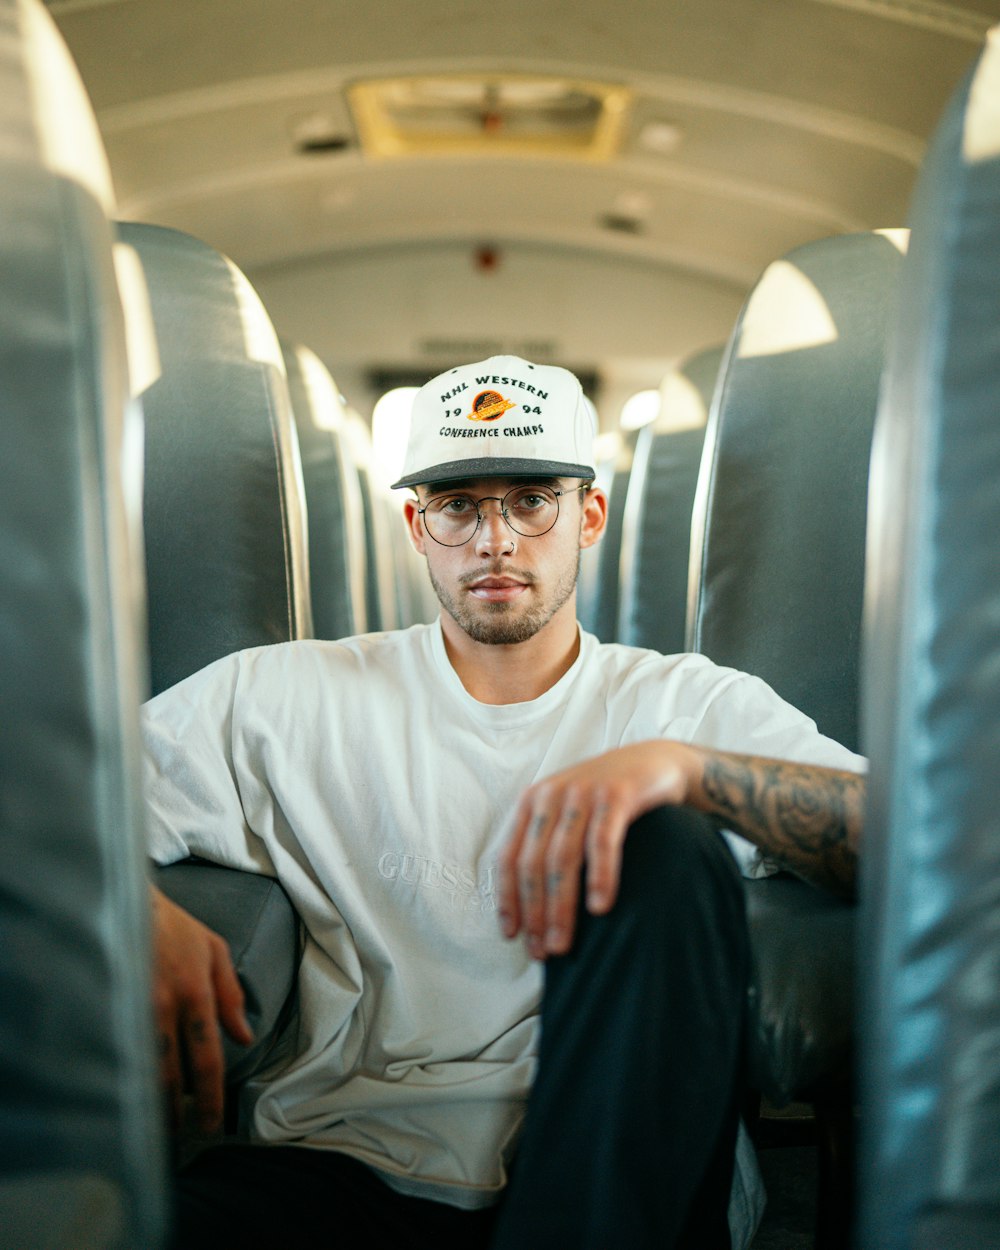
(255, 917)
(802, 993)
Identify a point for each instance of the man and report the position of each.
(452, 809)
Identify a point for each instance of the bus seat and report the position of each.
(588, 580)
(656, 524)
(337, 557)
(414, 592)
(417, 602)
(261, 927)
(81, 1153)
(777, 587)
(226, 536)
(599, 576)
(224, 512)
(930, 904)
(381, 601)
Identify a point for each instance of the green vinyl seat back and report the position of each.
(930, 932)
(599, 566)
(655, 550)
(224, 503)
(777, 585)
(337, 552)
(778, 557)
(81, 1152)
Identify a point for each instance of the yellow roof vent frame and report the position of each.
(494, 115)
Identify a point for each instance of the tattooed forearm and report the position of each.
(807, 818)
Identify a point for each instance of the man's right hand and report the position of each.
(196, 990)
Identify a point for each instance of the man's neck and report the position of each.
(514, 672)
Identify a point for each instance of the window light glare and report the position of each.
(899, 238)
(981, 131)
(607, 446)
(390, 431)
(786, 313)
(140, 330)
(640, 409)
(682, 406)
(259, 334)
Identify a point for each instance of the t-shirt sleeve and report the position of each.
(192, 787)
(748, 717)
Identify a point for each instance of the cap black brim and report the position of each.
(492, 466)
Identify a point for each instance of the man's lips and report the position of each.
(496, 588)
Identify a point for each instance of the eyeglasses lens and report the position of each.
(528, 510)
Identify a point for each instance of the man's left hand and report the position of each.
(577, 815)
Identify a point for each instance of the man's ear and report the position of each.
(415, 524)
(594, 516)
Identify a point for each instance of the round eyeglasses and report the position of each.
(451, 519)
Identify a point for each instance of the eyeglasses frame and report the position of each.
(570, 490)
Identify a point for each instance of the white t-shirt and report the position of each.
(363, 775)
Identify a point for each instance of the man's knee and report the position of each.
(680, 897)
(675, 943)
(676, 856)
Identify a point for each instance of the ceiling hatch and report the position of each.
(495, 115)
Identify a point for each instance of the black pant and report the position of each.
(631, 1128)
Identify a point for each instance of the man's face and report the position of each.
(502, 587)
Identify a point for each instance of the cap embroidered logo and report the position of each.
(488, 406)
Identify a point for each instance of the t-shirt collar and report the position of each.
(506, 715)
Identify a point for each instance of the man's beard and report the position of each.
(499, 624)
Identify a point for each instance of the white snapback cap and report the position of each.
(502, 417)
